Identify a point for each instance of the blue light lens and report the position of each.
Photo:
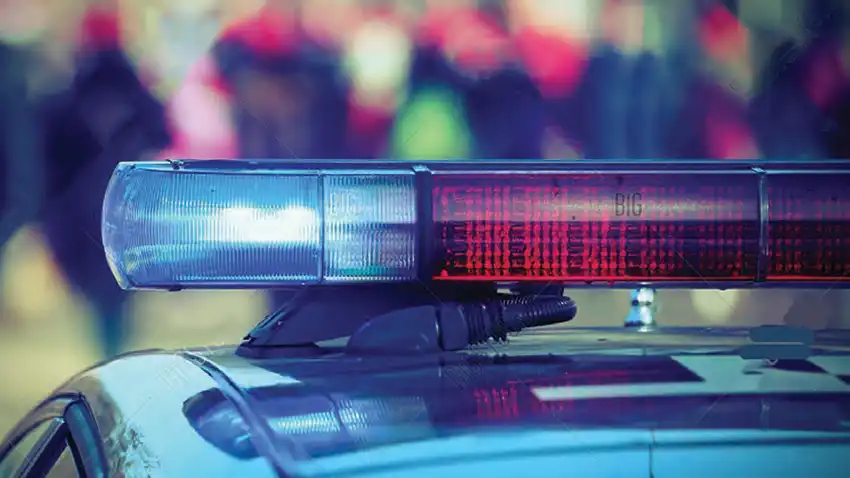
(196, 228)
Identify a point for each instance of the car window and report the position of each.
(18, 455)
(65, 466)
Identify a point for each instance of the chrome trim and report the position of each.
(764, 221)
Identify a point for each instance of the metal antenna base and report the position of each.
(642, 314)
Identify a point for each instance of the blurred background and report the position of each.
(85, 84)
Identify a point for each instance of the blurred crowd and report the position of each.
(85, 86)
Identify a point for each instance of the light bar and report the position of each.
(239, 224)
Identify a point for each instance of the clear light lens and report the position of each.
(370, 228)
(168, 228)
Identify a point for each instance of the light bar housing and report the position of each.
(271, 224)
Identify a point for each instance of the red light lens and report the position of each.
(597, 227)
(809, 227)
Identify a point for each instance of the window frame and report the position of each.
(73, 427)
(85, 441)
(44, 455)
(11, 446)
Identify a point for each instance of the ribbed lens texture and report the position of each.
(183, 228)
(370, 231)
(113, 229)
(327, 425)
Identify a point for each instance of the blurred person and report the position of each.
(34, 61)
(24, 27)
(593, 99)
(377, 48)
(505, 106)
(21, 157)
(712, 119)
(599, 66)
(466, 74)
(106, 115)
(272, 89)
(552, 42)
(289, 95)
(412, 107)
(650, 75)
(801, 109)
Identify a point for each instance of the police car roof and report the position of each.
(173, 407)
